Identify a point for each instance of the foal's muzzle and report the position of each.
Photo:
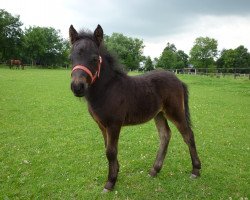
(78, 89)
(79, 86)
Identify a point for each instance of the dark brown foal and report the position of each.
(116, 99)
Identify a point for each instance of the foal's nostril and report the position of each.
(78, 89)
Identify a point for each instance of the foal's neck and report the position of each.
(109, 75)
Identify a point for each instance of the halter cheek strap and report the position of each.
(85, 69)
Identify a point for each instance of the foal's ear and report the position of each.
(98, 34)
(73, 35)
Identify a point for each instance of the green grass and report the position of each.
(50, 148)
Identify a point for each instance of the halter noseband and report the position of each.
(85, 69)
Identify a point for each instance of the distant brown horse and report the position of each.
(17, 63)
(116, 99)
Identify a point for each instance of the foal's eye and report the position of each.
(81, 51)
(95, 58)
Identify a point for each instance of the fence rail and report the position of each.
(236, 72)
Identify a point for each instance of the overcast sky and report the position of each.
(156, 22)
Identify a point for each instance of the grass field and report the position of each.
(50, 148)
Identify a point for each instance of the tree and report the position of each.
(243, 57)
(234, 58)
(63, 57)
(172, 59)
(170, 47)
(129, 50)
(182, 59)
(227, 59)
(44, 46)
(148, 64)
(10, 36)
(203, 53)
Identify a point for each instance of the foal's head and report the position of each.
(85, 58)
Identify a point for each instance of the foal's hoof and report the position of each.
(105, 190)
(195, 173)
(153, 173)
(193, 176)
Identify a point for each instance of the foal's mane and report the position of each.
(111, 58)
(86, 34)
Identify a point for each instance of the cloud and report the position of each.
(229, 31)
(156, 22)
(157, 18)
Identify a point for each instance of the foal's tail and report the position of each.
(187, 114)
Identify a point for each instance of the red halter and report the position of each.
(85, 69)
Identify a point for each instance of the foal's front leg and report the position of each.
(104, 133)
(111, 153)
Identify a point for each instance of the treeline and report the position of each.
(44, 46)
(205, 54)
(41, 46)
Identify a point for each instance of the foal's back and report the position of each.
(158, 83)
(148, 94)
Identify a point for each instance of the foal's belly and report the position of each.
(142, 113)
(139, 119)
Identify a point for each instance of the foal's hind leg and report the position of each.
(165, 135)
(188, 137)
